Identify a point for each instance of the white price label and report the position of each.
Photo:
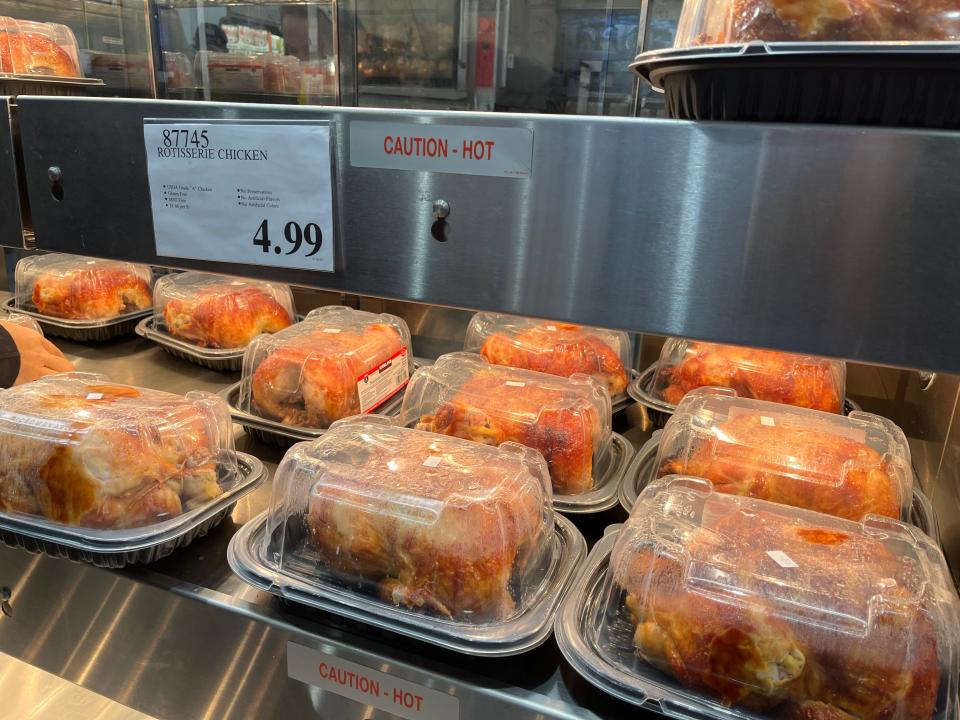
(514, 383)
(258, 194)
(351, 680)
(782, 559)
(768, 421)
(460, 149)
(381, 383)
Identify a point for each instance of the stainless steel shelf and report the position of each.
(185, 638)
(831, 240)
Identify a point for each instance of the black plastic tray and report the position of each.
(887, 84)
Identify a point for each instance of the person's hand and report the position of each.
(38, 356)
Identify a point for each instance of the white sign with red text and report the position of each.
(368, 686)
(460, 149)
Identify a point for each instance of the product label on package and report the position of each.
(377, 386)
(371, 687)
(258, 194)
(460, 149)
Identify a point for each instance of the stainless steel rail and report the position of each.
(832, 240)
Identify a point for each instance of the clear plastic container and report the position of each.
(567, 420)
(77, 288)
(801, 380)
(722, 22)
(337, 362)
(15, 318)
(844, 466)
(281, 74)
(716, 606)
(219, 311)
(447, 540)
(238, 72)
(81, 451)
(178, 72)
(38, 49)
(552, 347)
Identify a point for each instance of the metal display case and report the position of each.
(823, 240)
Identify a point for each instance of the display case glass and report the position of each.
(280, 52)
(76, 47)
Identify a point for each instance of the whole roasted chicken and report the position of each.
(800, 380)
(830, 20)
(786, 613)
(96, 291)
(307, 376)
(786, 463)
(439, 524)
(224, 315)
(80, 450)
(566, 420)
(558, 349)
(31, 53)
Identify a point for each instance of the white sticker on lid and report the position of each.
(782, 559)
(94, 396)
(765, 420)
(514, 383)
(433, 461)
(381, 383)
(367, 686)
(332, 331)
(552, 328)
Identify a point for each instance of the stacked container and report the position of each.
(715, 606)
(552, 347)
(110, 473)
(439, 538)
(567, 420)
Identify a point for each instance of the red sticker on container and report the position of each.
(381, 383)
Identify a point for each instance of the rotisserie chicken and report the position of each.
(786, 378)
(796, 617)
(99, 291)
(559, 418)
(225, 316)
(82, 451)
(440, 524)
(309, 378)
(558, 349)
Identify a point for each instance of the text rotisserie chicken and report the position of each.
(801, 380)
(848, 467)
(78, 288)
(82, 451)
(566, 419)
(783, 612)
(308, 375)
(554, 348)
(438, 525)
(218, 312)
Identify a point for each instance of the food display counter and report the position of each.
(185, 637)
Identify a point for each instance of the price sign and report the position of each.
(258, 194)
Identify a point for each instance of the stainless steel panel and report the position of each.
(11, 229)
(830, 240)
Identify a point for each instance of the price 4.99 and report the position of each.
(294, 234)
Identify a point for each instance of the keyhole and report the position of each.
(439, 230)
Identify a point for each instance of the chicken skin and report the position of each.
(225, 316)
(784, 616)
(310, 380)
(786, 378)
(96, 292)
(561, 423)
(559, 349)
(81, 451)
(800, 466)
(442, 525)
